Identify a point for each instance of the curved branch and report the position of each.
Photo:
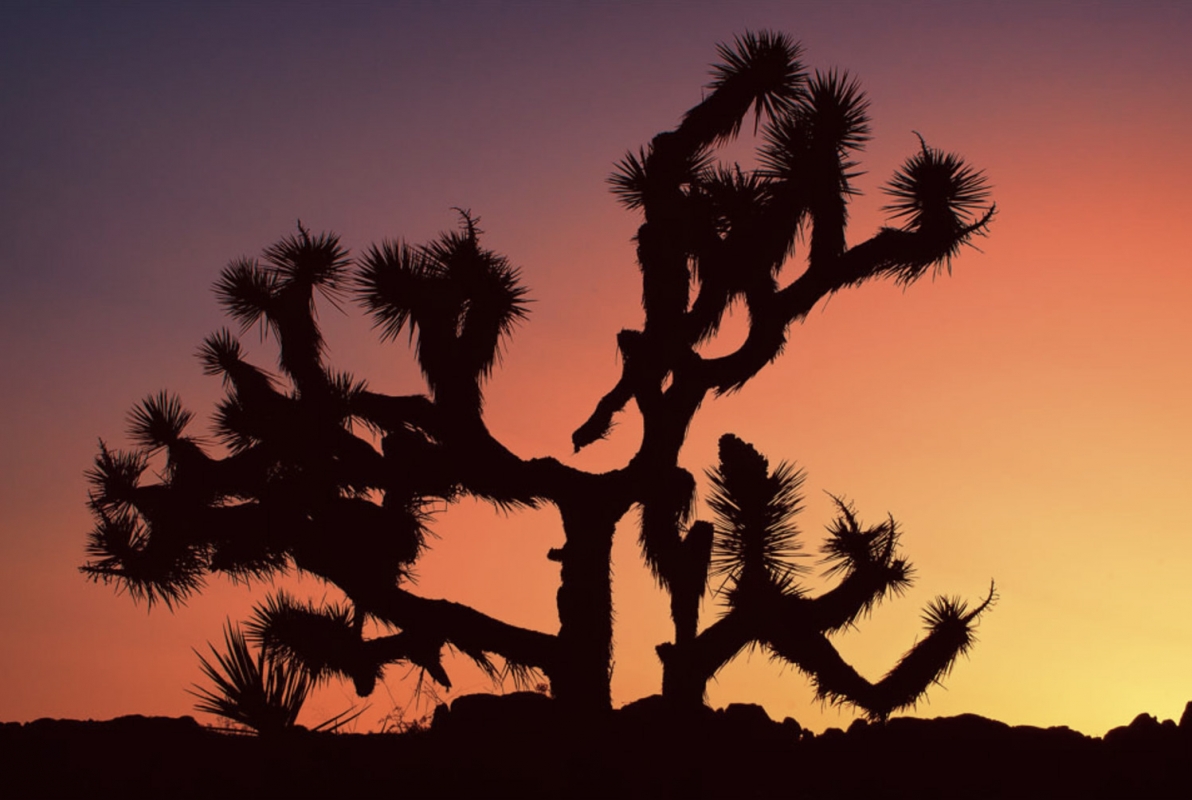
(891, 252)
(856, 595)
(928, 662)
(599, 423)
(443, 622)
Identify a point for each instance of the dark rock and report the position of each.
(745, 719)
(1144, 722)
(646, 708)
(1143, 732)
(832, 734)
(792, 729)
(747, 713)
(439, 720)
(494, 712)
(859, 726)
(518, 746)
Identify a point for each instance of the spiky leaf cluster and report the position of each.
(279, 290)
(937, 190)
(297, 488)
(158, 421)
(458, 301)
(726, 233)
(632, 179)
(154, 569)
(760, 71)
(851, 548)
(260, 692)
(322, 639)
(813, 142)
(754, 547)
(756, 535)
(115, 477)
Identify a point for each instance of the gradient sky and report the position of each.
(1025, 418)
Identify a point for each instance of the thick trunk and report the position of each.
(687, 667)
(585, 601)
(683, 686)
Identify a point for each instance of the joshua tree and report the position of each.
(298, 488)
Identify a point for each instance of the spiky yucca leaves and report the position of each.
(663, 513)
(950, 625)
(761, 71)
(115, 476)
(813, 142)
(261, 692)
(808, 155)
(158, 421)
(243, 418)
(743, 236)
(754, 548)
(303, 260)
(632, 181)
(459, 302)
(296, 264)
(120, 550)
(324, 640)
(867, 561)
(938, 195)
(246, 291)
(628, 180)
(281, 293)
(294, 470)
(936, 189)
(728, 208)
(734, 198)
(221, 354)
(849, 546)
(756, 538)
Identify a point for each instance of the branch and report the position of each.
(598, 425)
(928, 662)
(470, 630)
(394, 413)
(904, 255)
(856, 595)
(714, 647)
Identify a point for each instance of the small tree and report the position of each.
(298, 488)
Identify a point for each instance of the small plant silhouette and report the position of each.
(325, 476)
(257, 691)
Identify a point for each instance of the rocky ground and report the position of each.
(517, 746)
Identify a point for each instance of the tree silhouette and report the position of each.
(299, 488)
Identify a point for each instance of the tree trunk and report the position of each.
(585, 601)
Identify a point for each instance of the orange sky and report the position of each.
(1025, 419)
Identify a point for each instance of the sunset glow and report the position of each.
(1025, 418)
